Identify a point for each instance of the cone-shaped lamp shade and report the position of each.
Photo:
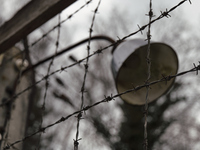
(129, 67)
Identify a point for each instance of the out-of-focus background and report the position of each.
(173, 120)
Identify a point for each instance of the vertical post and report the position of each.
(14, 114)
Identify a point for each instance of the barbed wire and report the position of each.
(148, 60)
(98, 51)
(196, 68)
(46, 79)
(79, 116)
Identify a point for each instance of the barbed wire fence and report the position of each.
(111, 97)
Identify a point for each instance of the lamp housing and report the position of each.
(129, 68)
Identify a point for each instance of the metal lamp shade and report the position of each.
(129, 67)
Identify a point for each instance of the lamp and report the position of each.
(129, 68)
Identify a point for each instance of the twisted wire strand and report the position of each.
(79, 117)
(148, 60)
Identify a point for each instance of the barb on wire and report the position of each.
(94, 53)
(140, 29)
(197, 67)
(105, 100)
(79, 117)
